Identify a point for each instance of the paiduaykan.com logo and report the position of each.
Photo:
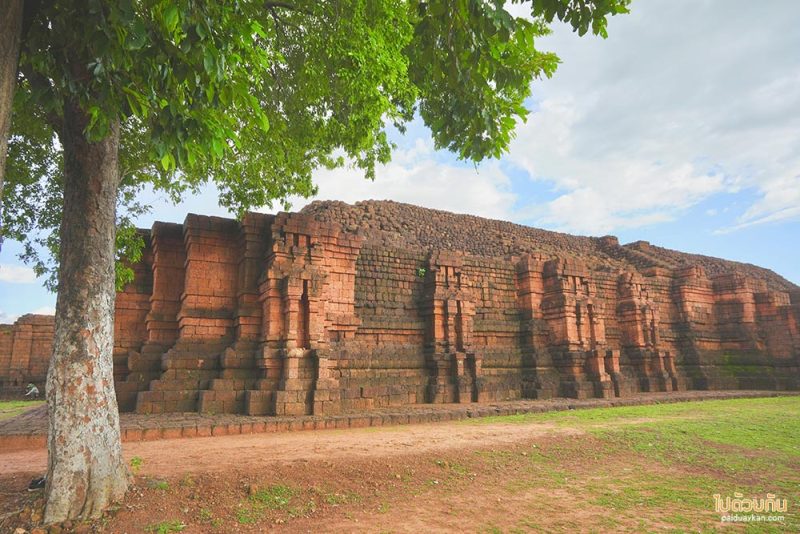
(749, 510)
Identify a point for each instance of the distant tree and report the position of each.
(251, 96)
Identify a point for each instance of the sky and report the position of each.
(682, 129)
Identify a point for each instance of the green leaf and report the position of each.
(217, 148)
(209, 63)
(257, 29)
(136, 36)
(171, 18)
(166, 161)
(263, 121)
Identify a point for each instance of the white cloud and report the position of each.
(416, 174)
(16, 274)
(780, 200)
(7, 318)
(668, 111)
(416, 177)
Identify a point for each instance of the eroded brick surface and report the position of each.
(351, 308)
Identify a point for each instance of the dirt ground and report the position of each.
(466, 476)
(364, 472)
(257, 452)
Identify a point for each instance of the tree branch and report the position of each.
(29, 13)
(40, 83)
(285, 5)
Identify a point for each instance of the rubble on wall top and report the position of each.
(395, 224)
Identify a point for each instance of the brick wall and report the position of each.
(347, 308)
(25, 349)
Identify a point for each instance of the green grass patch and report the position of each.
(456, 468)
(161, 485)
(743, 437)
(165, 527)
(727, 408)
(273, 497)
(13, 408)
(248, 515)
(337, 499)
(136, 464)
(649, 492)
(751, 446)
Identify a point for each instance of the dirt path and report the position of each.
(176, 457)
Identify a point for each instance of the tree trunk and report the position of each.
(10, 36)
(86, 471)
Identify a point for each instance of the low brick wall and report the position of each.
(29, 431)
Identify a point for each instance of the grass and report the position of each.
(166, 527)
(751, 446)
(136, 464)
(248, 515)
(456, 468)
(752, 439)
(338, 499)
(161, 485)
(724, 411)
(271, 498)
(13, 408)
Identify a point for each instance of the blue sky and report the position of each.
(682, 129)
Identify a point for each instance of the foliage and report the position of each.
(247, 516)
(253, 96)
(472, 63)
(581, 14)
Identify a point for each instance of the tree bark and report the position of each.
(10, 39)
(86, 471)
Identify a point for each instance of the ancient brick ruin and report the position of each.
(343, 308)
(25, 348)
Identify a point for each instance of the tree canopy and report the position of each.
(253, 96)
